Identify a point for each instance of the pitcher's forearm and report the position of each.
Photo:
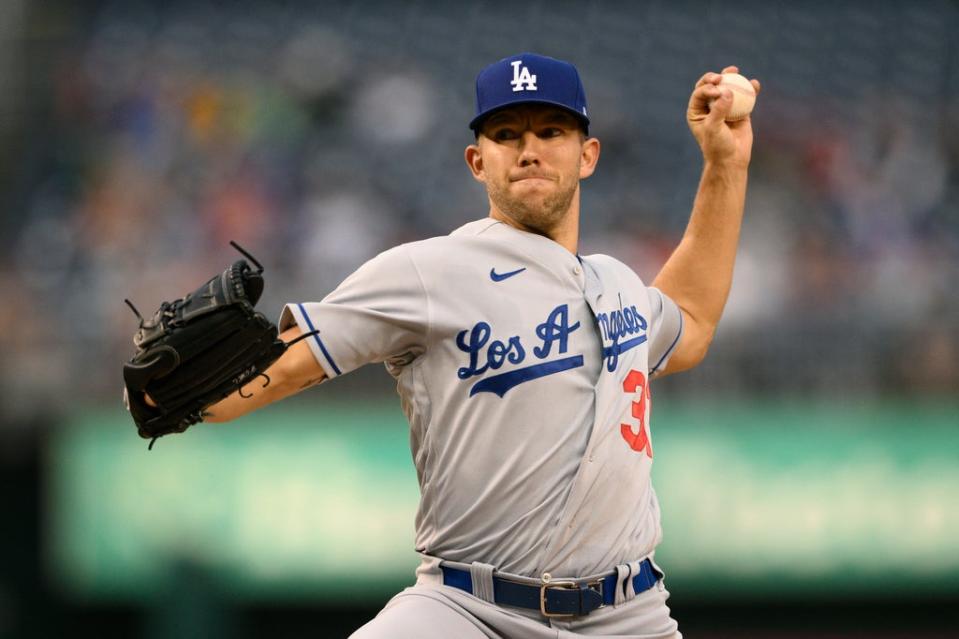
(296, 370)
(254, 396)
(699, 273)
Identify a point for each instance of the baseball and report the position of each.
(744, 96)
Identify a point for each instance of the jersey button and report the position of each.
(577, 270)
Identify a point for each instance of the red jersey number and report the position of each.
(635, 383)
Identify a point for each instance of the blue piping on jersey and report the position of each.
(671, 346)
(499, 384)
(319, 342)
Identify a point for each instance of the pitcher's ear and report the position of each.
(474, 160)
(589, 157)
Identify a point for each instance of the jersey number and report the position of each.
(634, 383)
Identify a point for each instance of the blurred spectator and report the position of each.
(317, 139)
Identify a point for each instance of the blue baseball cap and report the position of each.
(529, 78)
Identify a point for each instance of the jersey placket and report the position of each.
(588, 283)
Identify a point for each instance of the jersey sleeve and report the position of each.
(665, 331)
(378, 314)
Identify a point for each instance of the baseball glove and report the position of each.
(199, 349)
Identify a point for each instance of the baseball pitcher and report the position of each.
(524, 369)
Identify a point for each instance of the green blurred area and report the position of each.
(769, 499)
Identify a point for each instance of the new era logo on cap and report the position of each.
(526, 78)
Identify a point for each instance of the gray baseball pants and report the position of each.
(433, 611)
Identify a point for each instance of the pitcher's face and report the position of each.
(531, 158)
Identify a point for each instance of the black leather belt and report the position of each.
(558, 598)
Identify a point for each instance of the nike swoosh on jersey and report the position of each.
(499, 277)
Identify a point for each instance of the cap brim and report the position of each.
(477, 123)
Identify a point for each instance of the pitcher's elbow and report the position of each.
(694, 345)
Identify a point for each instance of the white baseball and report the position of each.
(744, 96)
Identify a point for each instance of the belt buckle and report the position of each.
(564, 585)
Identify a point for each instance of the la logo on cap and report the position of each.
(497, 88)
(521, 77)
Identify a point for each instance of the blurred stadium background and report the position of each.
(809, 470)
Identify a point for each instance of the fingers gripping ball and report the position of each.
(744, 95)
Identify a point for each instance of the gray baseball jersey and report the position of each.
(523, 370)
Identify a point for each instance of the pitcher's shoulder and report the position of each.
(607, 266)
(455, 247)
